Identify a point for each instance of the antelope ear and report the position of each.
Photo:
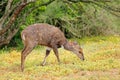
(75, 43)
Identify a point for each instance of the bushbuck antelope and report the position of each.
(46, 35)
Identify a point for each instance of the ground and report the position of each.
(102, 62)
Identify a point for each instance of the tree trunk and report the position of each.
(6, 32)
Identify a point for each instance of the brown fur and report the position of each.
(46, 35)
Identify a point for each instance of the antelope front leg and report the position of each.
(47, 53)
(56, 54)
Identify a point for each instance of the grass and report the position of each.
(102, 62)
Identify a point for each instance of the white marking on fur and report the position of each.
(62, 47)
(44, 63)
(48, 48)
(23, 37)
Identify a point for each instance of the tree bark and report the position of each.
(6, 33)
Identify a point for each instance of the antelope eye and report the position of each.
(81, 52)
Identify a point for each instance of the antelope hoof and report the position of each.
(43, 64)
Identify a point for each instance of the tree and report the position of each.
(11, 10)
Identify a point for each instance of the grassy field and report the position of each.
(102, 62)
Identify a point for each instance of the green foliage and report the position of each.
(79, 19)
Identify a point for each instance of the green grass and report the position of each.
(102, 62)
